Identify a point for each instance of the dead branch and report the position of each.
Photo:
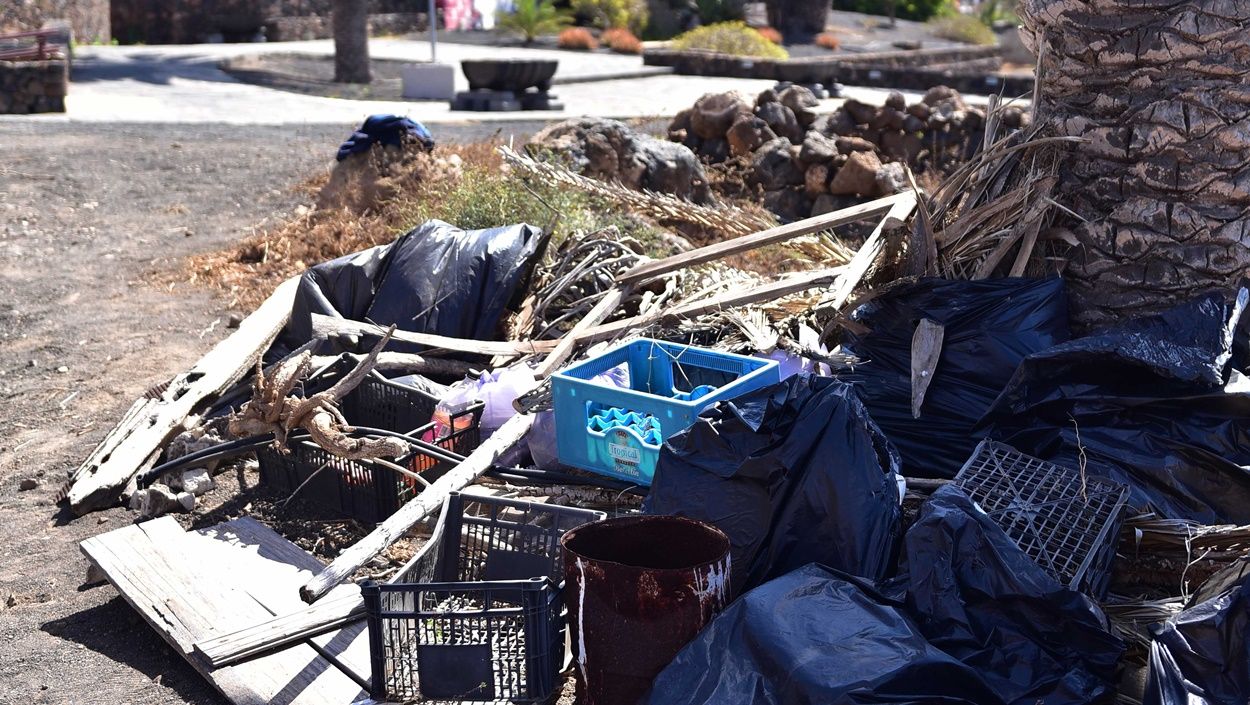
(272, 409)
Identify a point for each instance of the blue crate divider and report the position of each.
(618, 432)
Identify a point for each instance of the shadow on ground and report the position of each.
(149, 68)
(103, 627)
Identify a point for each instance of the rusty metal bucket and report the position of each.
(638, 589)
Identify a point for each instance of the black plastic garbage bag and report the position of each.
(819, 637)
(1154, 404)
(990, 326)
(435, 279)
(793, 474)
(1202, 655)
(976, 596)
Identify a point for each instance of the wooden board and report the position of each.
(789, 284)
(330, 326)
(191, 586)
(772, 236)
(131, 447)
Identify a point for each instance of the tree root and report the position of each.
(272, 409)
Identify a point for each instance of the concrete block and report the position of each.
(429, 81)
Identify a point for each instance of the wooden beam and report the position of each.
(263, 637)
(426, 503)
(772, 236)
(329, 326)
(791, 284)
(188, 586)
(106, 472)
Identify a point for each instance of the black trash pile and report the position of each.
(963, 503)
(1044, 448)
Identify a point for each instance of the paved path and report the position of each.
(182, 84)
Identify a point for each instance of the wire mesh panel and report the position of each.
(491, 628)
(1066, 521)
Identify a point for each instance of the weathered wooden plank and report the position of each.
(791, 284)
(772, 236)
(316, 619)
(188, 586)
(101, 479)
(430, 499)
(329, 326)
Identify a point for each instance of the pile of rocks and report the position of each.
(33, 86)
(806, 164)
(610, 151)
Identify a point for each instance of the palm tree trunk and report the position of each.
(351, 41)
(1163, 184)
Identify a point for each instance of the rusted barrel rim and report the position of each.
(717, 553)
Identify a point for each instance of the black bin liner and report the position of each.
(793, 473)
(435, 279)
(1155, 404)
(974, 621)
(990, 326)
(979, 598)
(816, 636)
(1202, 655)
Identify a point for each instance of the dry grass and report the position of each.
(387, 195)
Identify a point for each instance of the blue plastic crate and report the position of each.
(618, 432)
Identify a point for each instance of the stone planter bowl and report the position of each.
(508, 74)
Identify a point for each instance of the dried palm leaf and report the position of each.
(725, 218)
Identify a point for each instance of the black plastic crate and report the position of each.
(362, 490)
(1068, 524)
(477, 614)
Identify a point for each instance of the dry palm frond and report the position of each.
(988, 216)
(1175, 556)
(727, 219)
(822, 249)
(1151, 533)
(1132, 620)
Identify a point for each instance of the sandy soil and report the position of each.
(90, 218)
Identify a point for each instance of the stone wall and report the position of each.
(968, 69)
(88, 18)
(289, 29)
(188, 21)
(33, 86)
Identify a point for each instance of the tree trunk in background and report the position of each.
(351, 41)
(798, 18)
(1158, 88)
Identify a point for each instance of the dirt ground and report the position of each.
(90, 216)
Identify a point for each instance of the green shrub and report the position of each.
(904, 9)
(734, 38)
(713, 11)
(485, 197)
(963, 28)
(630, 14)
(533, 18)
